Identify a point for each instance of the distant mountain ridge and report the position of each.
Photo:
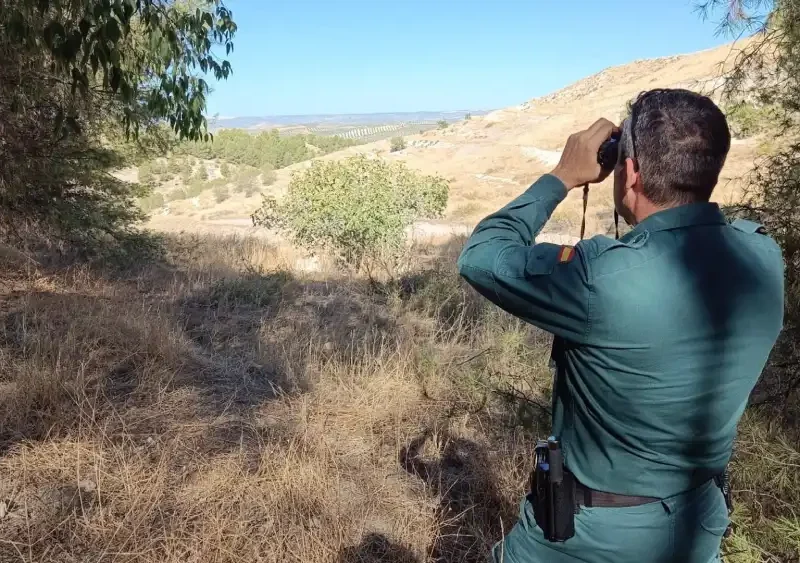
(353, 119)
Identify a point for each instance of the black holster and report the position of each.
(553, 493)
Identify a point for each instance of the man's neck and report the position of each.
(646, 208)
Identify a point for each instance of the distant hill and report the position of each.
(338, 121)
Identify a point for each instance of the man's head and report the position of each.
(673, 147)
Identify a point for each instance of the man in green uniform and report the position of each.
(659, 336)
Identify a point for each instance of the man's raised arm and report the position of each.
(545, 284)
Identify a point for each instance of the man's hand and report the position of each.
(578, 164)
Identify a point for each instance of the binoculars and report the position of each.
(608, 154)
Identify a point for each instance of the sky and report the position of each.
(296, 57)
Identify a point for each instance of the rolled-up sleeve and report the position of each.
(545, 284)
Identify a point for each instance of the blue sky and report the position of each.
(364, 56)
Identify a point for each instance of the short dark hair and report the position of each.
(680, 140)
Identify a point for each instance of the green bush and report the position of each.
(468, 116)
(195, 188)
(747, 119)
(201, 173)
(442, 124)
(177, 194)
(357, 208)
(221, 193)
(225, 170)
(152, 201)
(397, 144)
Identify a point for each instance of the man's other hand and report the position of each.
(578, 164)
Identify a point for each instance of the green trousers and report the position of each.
(686, 528)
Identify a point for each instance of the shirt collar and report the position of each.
(689, 215)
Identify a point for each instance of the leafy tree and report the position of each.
(140, 51)
(442, 124)
(86, 85)
(357, 209)
(397, 144)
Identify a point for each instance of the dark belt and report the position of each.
(591, 498)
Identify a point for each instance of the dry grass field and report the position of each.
(221, 407)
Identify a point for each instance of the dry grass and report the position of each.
(226, 408)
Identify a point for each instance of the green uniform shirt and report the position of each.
(660, 336)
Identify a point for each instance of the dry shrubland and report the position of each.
(220, 406)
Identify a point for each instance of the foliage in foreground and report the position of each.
(77, 78)
(357, 208)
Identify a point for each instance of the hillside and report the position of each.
(490, 159)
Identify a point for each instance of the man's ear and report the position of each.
(632, 177)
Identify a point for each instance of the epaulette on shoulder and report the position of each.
(600, 244)
(748, 226)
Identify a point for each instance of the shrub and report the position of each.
(442, 124)
(146, 174)
(355, 208)
(225, 170)
(202, 173)
(397, 144)
(221, 193)
(250, 189)
(177, 194)
(186, 172)
(159, 167)
(468, 116)
(196, 188)
(268, 175)
(747, 119)
(152, 201)
(174, 166)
